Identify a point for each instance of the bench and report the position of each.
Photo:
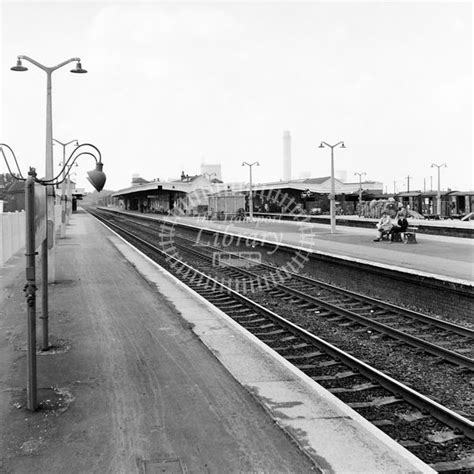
(409, 236)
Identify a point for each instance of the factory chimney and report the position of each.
(286, 156)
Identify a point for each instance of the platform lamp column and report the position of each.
(30, 291)
(438, 195)
(63, 187)
(47, 250)
(360, 190)
(209, 175)
(332, 195)
(250, 187)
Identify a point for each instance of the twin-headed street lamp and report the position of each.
(63, 186)
(47, 250)
(332, 195)
(209, 175)
(244, 163)
(360, 189)
(438, 195)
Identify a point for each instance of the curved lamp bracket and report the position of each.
(14, 158)
(96, 177)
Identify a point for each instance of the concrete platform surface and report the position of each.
(146, 376)
(441, 257)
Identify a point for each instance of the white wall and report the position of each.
(12, 234)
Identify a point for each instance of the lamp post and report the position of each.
(47, 249)
(438, 196)
(34, 221)
(209, 175)
(250, 187)
(332, 196)
(63, 187)
(360, 190)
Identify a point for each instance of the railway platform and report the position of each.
(445, 258)
(145, 376)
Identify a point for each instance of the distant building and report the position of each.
(136, 180)
(13, 197)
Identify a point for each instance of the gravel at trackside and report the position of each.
(442, 382)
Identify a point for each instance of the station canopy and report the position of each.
(313, 185)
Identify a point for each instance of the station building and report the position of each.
(191, 194)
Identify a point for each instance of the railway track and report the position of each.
(343, 306)
(439, 436)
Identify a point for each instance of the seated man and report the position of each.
(401, 226)
(384, 225)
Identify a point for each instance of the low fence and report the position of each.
(13, 232)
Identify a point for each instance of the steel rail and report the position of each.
(446, 325)
(414, 341)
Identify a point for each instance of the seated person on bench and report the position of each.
(400, 227)
(384, 225)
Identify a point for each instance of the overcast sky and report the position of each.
(173, 84)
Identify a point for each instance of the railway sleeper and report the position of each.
(361, 329)
(381, 423)
(378, 402)
(357, 305)
(305, 366)
(389, 318)
(217, 298)
(349, 324)
(296, 286)
(269, 333)
(328, 363)
(308, 355)
(228, 305)
(443, 436)
(340, 375)
(266, 326)
(223, 298)
(242, 309)
(322, 314)
(291, 347)
(294, 347)
(274, 291)
(409, 443)
(412, 416)
(355, 388)
(381, 312)
(337, 318)
(461, 465)
(251, 321)
(304, 305)
(332, 301)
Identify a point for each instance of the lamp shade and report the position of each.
(97, 177)
(19, 66)
(78, 69)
